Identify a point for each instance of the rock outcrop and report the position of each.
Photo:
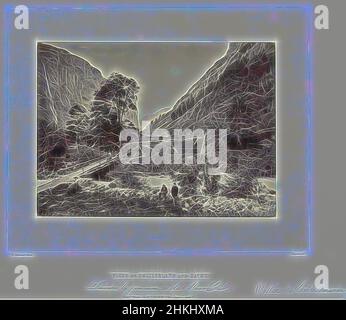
(63, 81)
(73, 107)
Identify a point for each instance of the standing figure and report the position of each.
(174, 192)
(163, 192)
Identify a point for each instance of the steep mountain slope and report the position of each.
(63, 80)
(236, 93)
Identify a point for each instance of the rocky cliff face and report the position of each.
(63, 81)
(236, 93)
(67, 115)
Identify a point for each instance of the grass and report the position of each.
(109, 199)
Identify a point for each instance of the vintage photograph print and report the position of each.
(156, 129)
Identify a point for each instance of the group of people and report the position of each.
(164, 192)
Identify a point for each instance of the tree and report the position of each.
(120, 91)
(116, 96)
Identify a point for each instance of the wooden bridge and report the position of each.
(89, 169)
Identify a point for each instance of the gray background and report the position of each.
(67, 277)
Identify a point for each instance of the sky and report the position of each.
(163, 70)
